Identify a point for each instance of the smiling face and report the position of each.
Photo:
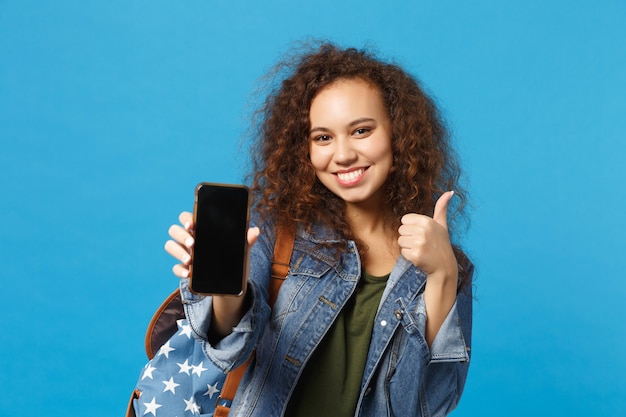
(350, 141)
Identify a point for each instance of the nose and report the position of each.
(345, 153)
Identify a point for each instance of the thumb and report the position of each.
(441, 209)
(253, 234)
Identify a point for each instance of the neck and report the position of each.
(366, 220)
(379, 240)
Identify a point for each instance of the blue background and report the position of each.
(111, 112)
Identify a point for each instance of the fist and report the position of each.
(425, 241)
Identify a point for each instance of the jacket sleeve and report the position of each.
(236, 348)
(447, 370)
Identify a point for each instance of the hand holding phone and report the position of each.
(219, 254)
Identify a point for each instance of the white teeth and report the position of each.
(350, 176)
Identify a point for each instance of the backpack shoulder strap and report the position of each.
(283, 248)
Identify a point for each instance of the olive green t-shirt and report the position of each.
(331, 381)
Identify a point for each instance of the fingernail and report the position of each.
(185, 273)
(186, 259)
(187, 225)
(189, 242)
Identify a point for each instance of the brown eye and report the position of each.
(322, 138)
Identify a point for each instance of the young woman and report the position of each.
(374, 318)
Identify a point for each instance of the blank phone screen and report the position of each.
(219, 252)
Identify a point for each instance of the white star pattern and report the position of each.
(170, 385)
(198, 369)
(211, 390)
(185, 329)
(184, 367)
(148, 372)
(151, 407)
(166, 349)
(174, 379)
(192, 406)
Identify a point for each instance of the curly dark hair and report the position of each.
(284, 181)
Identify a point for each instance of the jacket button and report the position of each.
(398, 314)
(383, 323)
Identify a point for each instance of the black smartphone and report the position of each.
(218, 259)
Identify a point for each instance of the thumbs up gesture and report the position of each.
(425, 241)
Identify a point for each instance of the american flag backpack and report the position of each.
(179, 379)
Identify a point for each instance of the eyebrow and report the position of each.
(351, 124)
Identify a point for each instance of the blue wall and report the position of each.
(111, 112)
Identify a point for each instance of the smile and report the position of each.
(350, 177)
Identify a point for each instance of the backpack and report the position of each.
(167, 329)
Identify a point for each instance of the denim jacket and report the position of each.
(402, 376)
